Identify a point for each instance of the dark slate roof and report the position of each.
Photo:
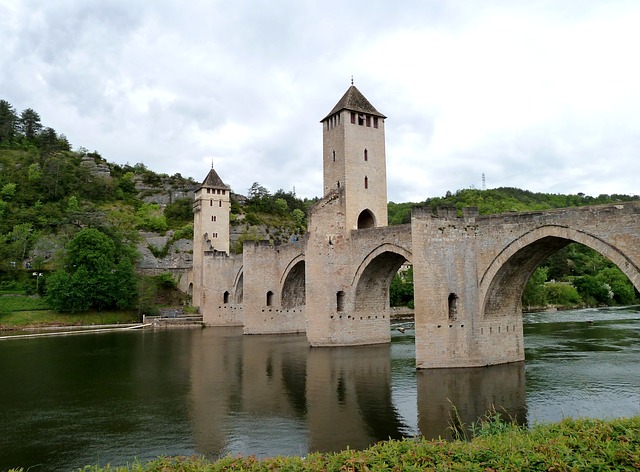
(213, 180)
(353, 100)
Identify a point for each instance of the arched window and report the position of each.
(453, 306)
(366, 220)
(366, 182)
(269, 298)
(225, 298)
(334, 156)
(366, 155)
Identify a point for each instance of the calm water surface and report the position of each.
(108, 398)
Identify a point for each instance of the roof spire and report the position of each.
(212, 162)
(351, 79)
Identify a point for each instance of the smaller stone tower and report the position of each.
(211, 210)
(354, 159)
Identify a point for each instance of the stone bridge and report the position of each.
(333, 284)
(469, 275)
(470, 272)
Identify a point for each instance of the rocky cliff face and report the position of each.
(170, 256)
(164, 193)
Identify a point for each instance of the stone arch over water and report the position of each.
(503, 283)
(374, 275)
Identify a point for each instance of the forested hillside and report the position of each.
(50, 194)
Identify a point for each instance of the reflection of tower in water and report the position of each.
(349, 397)
(273, 395)
(465, 395)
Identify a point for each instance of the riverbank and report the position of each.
(568, 445)
(40, 320)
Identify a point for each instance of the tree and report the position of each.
(534, 292)
(622, 288)
(8, 122)
(281, 205)
(592, 290)
(21, 237)
(151, 218)
(179, 212)
(30, 124)
(257, 192)
(73, 204)
(95, 275)
(401, 288)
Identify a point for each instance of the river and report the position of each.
(69, 401)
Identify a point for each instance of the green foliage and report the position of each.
(22, 303)
(95, 275)
(73, 204)
(8, 191)
(534, 293)
(186, 232)
(562, 294)
(248, 234)
(399, 213)
(30, 124)
(584, 444)
(298, 216)
(179, 213)
(8, 123)
(281, 206)
(618, 283)
(501, 200)
(401, 288)
(593, 291)
(21, 319)
(151, 218)
(166, 281)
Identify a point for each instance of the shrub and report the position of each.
(558, 293)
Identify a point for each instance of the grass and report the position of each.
(570, 445)
(43, 318)
(21, 303)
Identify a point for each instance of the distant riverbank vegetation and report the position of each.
(71, 224)
(583, 444)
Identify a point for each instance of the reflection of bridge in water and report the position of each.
(333, 284)
(265, 393)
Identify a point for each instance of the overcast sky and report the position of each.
(540, 95)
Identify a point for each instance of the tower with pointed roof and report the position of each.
(211, 209)
(354, 159)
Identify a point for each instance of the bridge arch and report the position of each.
(503, 283)
(373, 277)
(293, 284)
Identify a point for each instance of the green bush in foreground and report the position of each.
(569, 445)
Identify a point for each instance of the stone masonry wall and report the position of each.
(265, 269)
(482, 263)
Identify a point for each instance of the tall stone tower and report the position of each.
(211, 210)
(355, 161)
